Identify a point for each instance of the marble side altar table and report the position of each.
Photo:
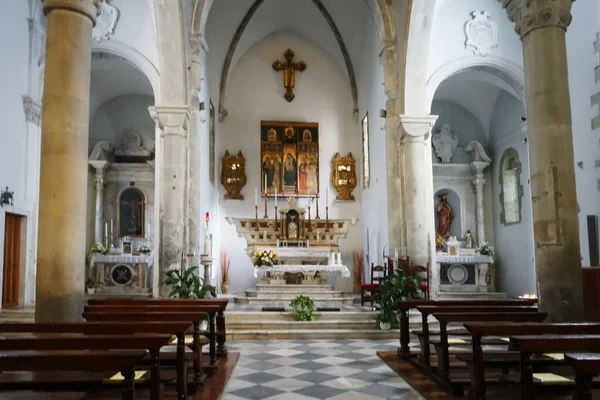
(122, 274)
(465, 273)
(301, 274)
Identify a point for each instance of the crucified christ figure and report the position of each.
(289, 69)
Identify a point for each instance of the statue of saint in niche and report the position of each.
(445, 215)
(132, 211)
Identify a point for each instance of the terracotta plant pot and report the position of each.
(224, 287)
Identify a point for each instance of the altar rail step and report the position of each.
(287, 293)
(272, 317)
(284, 301)
(261, 287)
(311, 334)
(472, 295)
(301, 325)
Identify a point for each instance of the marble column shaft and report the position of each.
(64, 169)
(479, 181)
(542, 26)
(418, 186)
(99, 220)
(173, 122)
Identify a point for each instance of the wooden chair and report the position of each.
(424, 286)
(378, 275)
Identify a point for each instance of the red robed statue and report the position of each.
(445, 215)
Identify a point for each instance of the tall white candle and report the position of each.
(255, 197)
(112, 232)
(106, 230)
(326, 196)
(275, 196)
(265, 183)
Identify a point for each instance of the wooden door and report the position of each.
(12, 260)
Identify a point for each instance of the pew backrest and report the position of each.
(556, 343)
(96, 328)
(490, 316)
(84, 342)
(509, 328)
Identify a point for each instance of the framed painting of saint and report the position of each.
(290, 158)
(132, 213)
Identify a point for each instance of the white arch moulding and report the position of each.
(510, 73)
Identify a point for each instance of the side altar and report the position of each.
(307, 246)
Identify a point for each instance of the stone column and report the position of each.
(99, 165)
(197, 121)
(387, 58)
(63, 179)
(173, 193)
(542, 25)
(418, 185)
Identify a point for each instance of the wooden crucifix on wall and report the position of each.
(289, 69)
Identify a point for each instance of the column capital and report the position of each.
(529, 15)
(171, 117)
(89, 8)
(33, 110)
(416, 126)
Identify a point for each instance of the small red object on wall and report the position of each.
(207, 217)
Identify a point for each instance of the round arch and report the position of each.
(511, 74)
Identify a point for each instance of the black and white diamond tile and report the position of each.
(315, 369)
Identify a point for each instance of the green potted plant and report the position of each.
(186, 284)
(304, 308)
(399, 286)
(89, 286)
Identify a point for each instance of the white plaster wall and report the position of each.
(373, 200)
(448, 33)
(18, 143)
(136, 27)
(255, 93)
(463, 123)
(120, 115)
(582, 60)
(515, 266)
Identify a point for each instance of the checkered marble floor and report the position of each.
(315, 369)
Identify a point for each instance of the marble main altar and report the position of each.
(303, 243)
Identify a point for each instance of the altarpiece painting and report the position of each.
(132, 213)
(290, 158)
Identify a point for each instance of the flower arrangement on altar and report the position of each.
(440, 242)
(265, 257)
(144, 250)
(486, 249)
(99, 248)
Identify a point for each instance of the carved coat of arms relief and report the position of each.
(482, 33)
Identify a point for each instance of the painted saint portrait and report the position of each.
(132, 210)
(289, 170)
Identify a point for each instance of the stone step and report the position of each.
(472, 295)
(284, 301)
(286, 294)
(301, 289)
(272, 317)
(300, 334)
(301, 325)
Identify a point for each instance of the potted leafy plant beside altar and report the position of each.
(304, 308)
(399, 286)
(186, 284)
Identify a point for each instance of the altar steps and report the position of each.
(267, 295)
(472, 295)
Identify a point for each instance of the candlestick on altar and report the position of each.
(309, 228)
(326, 218)
(266, 211)
(257, 226)
(317, 199)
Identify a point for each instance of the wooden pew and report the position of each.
(177, 328)
(212, 311)
(429, 310)
(222, 303)
(442, 372)
(150, 342)
(405, 306)
(190, 317)
(587, 366)
(112, 361)
(529, 345)
(476, 362)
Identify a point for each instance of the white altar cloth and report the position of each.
(479, 259)
(328, 269)
(118, 259)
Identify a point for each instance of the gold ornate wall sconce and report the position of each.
(233, 175)
(343, 176)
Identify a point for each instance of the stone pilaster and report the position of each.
(64, 150)
(173, 193)
(197, 119)
(100, 166)
(478, 181)
(542, 26)
(387, 58)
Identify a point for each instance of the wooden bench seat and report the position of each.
(211, 310)
(220, 321)
(444, 318)
(178, 328)
(405, 306)
(587, 366)
(529, 345)
(479, 330)
(111, 362)
(190, 317)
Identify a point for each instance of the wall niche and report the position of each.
(511, 189)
